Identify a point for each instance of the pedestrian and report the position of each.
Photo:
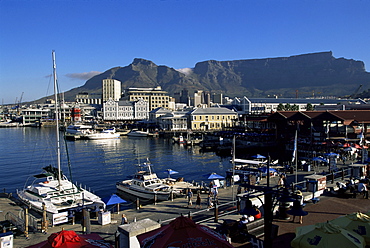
(124, 219)
(190, 198)
(209, 201)
(363, 189)
(198, 201)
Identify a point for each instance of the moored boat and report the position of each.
(105, 134)
(138, 133)
(55, 194)
(145, 184)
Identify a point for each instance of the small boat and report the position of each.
(55, 193)
(145, 184)
(138, 133)
(79, 129)
(105, 134)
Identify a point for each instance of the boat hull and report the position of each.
(142, 194)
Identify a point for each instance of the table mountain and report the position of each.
(318, 74)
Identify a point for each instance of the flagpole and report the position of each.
(233, 164)
(296, 157)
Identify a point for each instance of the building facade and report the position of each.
(214, 118)
(111, 89)
(156, 97)
(125, 110)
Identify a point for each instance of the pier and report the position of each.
(226, 210)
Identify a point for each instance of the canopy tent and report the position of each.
(356, 222)
(264, 170)
(326, 235)
(320, 159)
(70, 239)
(170, 172)
(113, 200)
(183, 232)
(213, 176)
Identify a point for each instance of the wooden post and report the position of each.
(26, 222)
(137, 204)
(189, 215)
(332, 177)
(342, 174)
(216, 211)
(155, 199)
(44, 226)
(171, 195)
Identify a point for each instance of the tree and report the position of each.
(309, 107)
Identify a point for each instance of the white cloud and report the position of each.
(186, 71)
(83, 75)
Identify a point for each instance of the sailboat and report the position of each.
(51, 190)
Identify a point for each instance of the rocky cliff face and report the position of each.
(307, 74)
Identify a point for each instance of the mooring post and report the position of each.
(137, 204)
(216, 211)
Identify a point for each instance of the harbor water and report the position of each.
(98, 164)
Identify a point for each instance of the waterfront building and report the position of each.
(89, 98)
(123, 110)
(34, 115)
(174, 121)
(111, 89)
(214, 118)
(156, 97)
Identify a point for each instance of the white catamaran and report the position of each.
(54, 192)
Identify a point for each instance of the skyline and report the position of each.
(90, 37)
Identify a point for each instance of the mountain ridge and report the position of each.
(304, 75)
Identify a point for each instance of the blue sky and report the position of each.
(91, 36)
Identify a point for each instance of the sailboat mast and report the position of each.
(56, 117)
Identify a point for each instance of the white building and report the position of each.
(111, 89)
(125, 110)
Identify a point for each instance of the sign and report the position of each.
(60, 218)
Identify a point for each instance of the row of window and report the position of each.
(206, 118)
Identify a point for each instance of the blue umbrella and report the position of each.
(331, 154)
(113, 199)
(258, 156)
(320, 159)
(213, 176)
(170, 172)
(264, 170)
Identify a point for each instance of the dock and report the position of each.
(165, 211)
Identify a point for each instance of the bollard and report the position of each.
(190, 216)
(171, 195)
(137, 204)
(26, 222)
(216, 211)
(155, 199)
(332, 177)
(238, 204)
(342, 174)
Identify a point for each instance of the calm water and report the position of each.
(98, 164)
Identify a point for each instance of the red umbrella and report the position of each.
(70, 239)
(183, 232)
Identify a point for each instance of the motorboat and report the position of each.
(145, 184)
(79, 129)
(105, 134)
(138, 133)
(51, 191)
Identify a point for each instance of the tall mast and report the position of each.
(56, 117)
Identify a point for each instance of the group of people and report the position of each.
(361, 187)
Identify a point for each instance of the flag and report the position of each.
(295, 148)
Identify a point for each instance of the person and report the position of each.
(190, 198)
(243, 221)
(198, 201)
(209, 201)
(363, 189)
(297, 206)
(281, 181)
(124, 219)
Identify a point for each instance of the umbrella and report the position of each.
(170, 172)
(326, 235)
(112, 200)
(356, 222)
(182, 232)
(258, 156)
(264, 170)
(213, 176)
(331, 154)
(70, 239)
(320, 159)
